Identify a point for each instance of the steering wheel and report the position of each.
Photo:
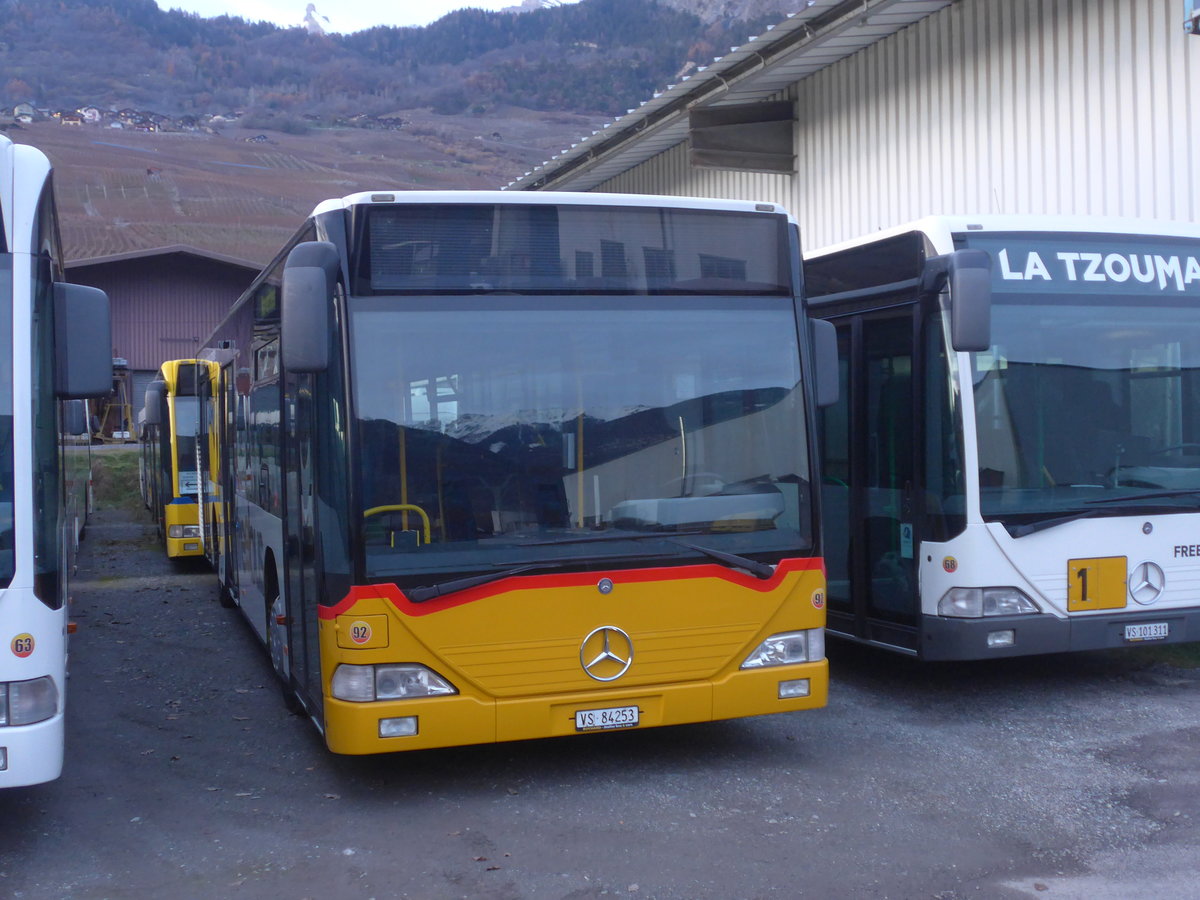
(401, 507)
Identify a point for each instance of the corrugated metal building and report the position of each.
(905, 108)
(164, 303)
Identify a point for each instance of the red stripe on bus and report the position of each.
(396, 597)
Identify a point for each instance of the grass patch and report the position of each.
(115, 479)
(1184, 656)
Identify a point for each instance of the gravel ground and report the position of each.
(1074, 776)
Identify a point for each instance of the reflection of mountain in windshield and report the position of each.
(525, 476)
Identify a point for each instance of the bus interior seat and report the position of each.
(1083, 428)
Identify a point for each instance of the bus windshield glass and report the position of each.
(187, 424)
(531, 249)
(1089, 398)
(7, 558)
(508, 430)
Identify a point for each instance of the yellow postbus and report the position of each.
(174, 472)
(518, 465)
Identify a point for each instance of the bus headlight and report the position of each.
(183, 531)
(353, 683)
(788, 647)
(409, 680)
(402, 681)
(976, 603)
(28, 702)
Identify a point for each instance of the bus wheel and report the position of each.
(277, 645)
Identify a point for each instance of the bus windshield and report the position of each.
(490, 432)
(187, 424)
(1089, 397)
(540, 248)
(7, 558)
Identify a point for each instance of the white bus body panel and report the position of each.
(35, 752)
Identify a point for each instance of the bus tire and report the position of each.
(276, 649)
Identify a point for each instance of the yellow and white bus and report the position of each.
(509, 465)
(1013, 466)
(55, 340)
(174, 471)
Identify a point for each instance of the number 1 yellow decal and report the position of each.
(1097, 583)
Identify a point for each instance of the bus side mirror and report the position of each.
(75, 418)
(153, 409)
(309, 277)
(825, 361)
(968, 274)
(82, 342)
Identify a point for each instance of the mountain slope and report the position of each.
(597, 56)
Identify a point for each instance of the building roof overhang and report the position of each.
(183, 249)
(818, 36)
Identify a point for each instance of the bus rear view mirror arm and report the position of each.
(968, 275)
(309, 278)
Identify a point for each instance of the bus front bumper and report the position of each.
(355, 728)
(31, 754)
(944, 638)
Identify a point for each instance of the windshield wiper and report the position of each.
(1105, 507)
(1149, 495)
(755, 568)
(1028, 528)
(433, 591)
(425, 593)
(608, 536)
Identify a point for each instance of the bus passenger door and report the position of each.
(231, 424)
(869, 492)
(300, 538)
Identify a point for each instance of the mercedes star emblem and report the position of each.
(606, 653)
(1146, 583)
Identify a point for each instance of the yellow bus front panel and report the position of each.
(533, 657)
(181, 525)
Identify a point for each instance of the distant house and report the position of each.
(70, 119)
(24, 111)
(91, 115)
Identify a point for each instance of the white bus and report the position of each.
(1013, 466)
(55, 340)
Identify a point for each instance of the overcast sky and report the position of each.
(343, 15)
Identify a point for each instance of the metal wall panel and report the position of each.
(1085, 107)
(163, 307)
